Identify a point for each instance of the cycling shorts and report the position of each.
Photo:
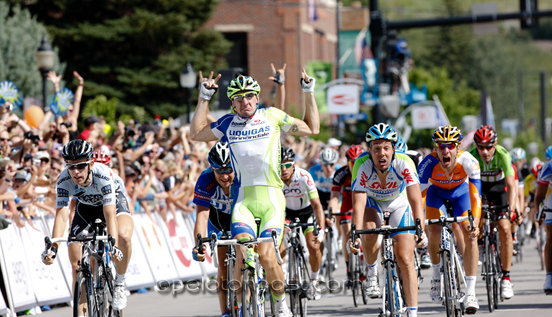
(264, 202)
(218, 221)
(399, 210)
(459, 198)
(495, 195)
(87, 214)
(305, 215)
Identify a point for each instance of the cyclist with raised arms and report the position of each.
(323, 174)
(386, 181)
(342, 186)
(543, 195)
(253, 135)
(452, 174)
(303, 203)
(100, 194)
(213, 206)
(497, 173)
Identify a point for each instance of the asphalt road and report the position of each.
(529, 299)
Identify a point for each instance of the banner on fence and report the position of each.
(138, 274)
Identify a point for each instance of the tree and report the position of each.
(134, 50)
(20, 37)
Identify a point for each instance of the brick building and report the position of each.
(277, 31)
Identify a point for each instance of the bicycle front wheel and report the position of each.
(294, 286)
(390, 289)
(329, 263)
(82, 296)
(231, 301)
(450, 297)
(304, 277)
(489, 276)
(250, 301)
(355, 286)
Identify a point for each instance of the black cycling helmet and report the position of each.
(287, 154)
(77, 150)
(219, 155)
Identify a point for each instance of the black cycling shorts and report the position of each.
(495, 194)
(219, 220)
(87, 214)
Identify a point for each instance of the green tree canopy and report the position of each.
(20, 36)
(134, 50)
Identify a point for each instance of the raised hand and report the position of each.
(78, 77)
(279, 75)
(53, 78)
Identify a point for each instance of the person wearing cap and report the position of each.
(334, 143)
(92, 131)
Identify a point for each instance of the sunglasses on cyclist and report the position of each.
(484, 147)
(224, 170)
(79, 166)
(329, 164)
(450, 146)
(247, 96)
(286, 165)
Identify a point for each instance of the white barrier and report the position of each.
(63, 253)
(138, 273)
(156, 249)
(208, 266)
(180, 242)
(49, 283)
(15, 270)
(3, 307)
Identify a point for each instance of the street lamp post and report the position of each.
(45, 57)
(188, 80)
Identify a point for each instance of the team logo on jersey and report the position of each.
(79, 192)
(407, 176)
(106, 190)
(309, 181)
(102, 177)
(68, 177)
(388, 185)
(62, 192)
(296, 191)
(238, 124)
(363, 179)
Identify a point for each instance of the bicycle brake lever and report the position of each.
(418, 230)
(199, 244)
(470, 218)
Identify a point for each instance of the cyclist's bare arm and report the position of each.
(512, 190)
(311, 124)
(201, 221)
(319, 212)
(111, 221)
(359, 204)
(415, 199)
(540, 194)
(200, 128)
(60, 223)
(334, 200)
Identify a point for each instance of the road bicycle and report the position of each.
(393, 301)
(254, 287)
(299, 275)
(231, 284)
(541, 235)
(358, 270)
(492, 265)
(330, 258)
(94, 285)
(454, 277)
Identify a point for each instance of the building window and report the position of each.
(237, 57)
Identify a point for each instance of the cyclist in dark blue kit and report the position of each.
(214, 208)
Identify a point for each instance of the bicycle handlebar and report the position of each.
(385, 230)
(444, 220)
(215, 242)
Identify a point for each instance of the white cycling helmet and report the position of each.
(518, 154)
(328, 156)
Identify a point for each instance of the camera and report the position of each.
(67, 124)
(34, 138)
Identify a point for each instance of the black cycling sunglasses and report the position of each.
(224, 170)
(328, 164)
(79, 166)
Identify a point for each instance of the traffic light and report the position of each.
(226, 77)
(529, 8)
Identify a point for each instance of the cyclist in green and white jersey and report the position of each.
(303, 204)
(496, 175)
(253, 135)
(386, 181)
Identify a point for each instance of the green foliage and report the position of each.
(457, 99)
(101, 106)
(134, 50)
(527, 136)
(20, 37)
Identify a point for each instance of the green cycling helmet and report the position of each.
(243, 83)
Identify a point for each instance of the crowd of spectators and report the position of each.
(158, 161)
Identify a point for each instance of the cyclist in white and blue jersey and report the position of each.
(214, 209)
(323, 174)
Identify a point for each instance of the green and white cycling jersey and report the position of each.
(402, 173)
(254, 145)
(498, 168)
(300, 191)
